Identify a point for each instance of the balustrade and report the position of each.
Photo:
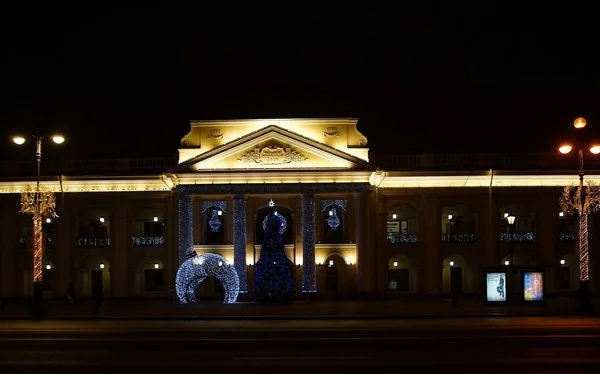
(148, 241)
(459, 238)
(397, 238)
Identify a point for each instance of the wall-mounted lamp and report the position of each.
(219, 212)
(101, 266)
(394, 216)
(562, 262)
(395, 263)
(48, 267)
(505, 215)
(451, 263)
(506, 263)
(156, 265)
(331, 212)
(330, 262)
(155, 219)
(101, 219)
(48, 220)
(450, 217)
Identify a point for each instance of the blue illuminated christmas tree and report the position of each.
(273, 273)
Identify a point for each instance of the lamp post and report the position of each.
(583, 200)
(40, 203)
(511, 224)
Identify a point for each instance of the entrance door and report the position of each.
(97, 284)
(564, 276)
(456, 280)
(400, 280)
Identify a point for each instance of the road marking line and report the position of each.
(304, 358)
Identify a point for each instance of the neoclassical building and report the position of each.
(356, 222)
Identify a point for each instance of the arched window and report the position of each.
(288, 219)
(458, 224)
(334, 214)
(402, 225)
(213, 221)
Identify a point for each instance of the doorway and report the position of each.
(456, 280)
(97, 284)
(209, 290)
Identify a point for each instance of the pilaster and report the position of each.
(8, 242)
(185, 226)
(309, 275)
(63, 264)
(239, 240)
(431, 243)
(118, 269)
(362, 254)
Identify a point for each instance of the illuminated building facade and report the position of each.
(354, 222)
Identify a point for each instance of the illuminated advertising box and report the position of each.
(495, 285)
(533, 285)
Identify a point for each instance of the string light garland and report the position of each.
(238, 188)
(274, 278)
(239, 240)
(40, 203)
(309, 275)
(186, 226)
(571, 204)
(197, 269)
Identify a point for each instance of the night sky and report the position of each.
(423, 78)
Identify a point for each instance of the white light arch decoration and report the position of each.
(199, 268)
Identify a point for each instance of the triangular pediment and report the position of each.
(273, 148)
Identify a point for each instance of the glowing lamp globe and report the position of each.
(580, 123)
(18, 140)
(564, 149)
(58, 139)
(595, 149)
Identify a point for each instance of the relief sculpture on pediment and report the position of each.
(272, 155)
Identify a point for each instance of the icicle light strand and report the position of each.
(239, 240)
(309, 277)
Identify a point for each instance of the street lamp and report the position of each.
(511, 224)
(583, 201)
(40, 203)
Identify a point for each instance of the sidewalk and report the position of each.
(410, 308)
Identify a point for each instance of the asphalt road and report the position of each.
(465, 345)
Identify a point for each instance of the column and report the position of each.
(239, 240)
(382, 255)
(185, 226)
(9, 240)
(170, 228)
(546, 232)
(431, 239)
(118, 269)
(63, 249)
(309, 275)
(362, 255)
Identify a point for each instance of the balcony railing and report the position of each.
(89, 167)
(567, 237)
(459, 238)
(49, 242)
(478, 161)
(517, 237)
(148, 241)
(397, 238)
(93, 242)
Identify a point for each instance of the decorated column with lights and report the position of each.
(239, 240)
(185, 226)
(362, 261)
(309, 276)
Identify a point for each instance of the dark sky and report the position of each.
(432, 77)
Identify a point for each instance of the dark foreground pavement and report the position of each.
(465, 345)
(323, 309)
